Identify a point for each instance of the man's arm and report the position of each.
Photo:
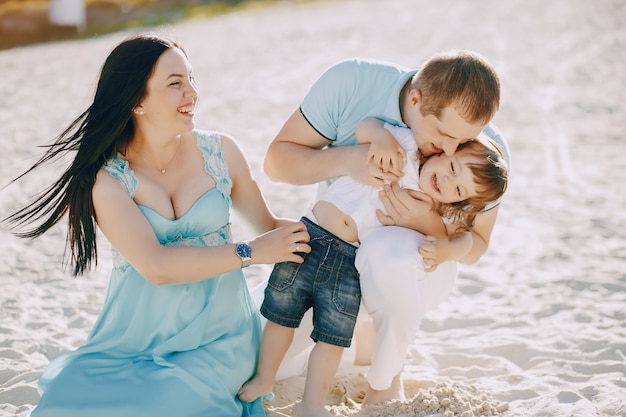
(464, 247)
(410, 209)
(298, 156)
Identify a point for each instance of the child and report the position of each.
(459, 186)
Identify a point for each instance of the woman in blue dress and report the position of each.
(178, 333)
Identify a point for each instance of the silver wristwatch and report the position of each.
(243, 250)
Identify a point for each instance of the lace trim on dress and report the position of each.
(222, 236)
(210, 143)
(121, 171)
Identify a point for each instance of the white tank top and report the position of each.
(360, 201)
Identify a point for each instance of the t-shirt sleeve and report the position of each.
(328, 98)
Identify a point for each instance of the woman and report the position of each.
(178, 334)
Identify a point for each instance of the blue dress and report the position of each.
(174, 350)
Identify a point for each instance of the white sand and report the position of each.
(536, 328)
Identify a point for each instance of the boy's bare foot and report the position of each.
(394, 392)
(254, 389)
(303, 410)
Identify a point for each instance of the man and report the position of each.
(449, 101)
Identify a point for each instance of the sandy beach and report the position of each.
(536, 328)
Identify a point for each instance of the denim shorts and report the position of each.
(327, 281)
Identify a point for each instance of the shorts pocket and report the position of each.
(283, 275)
(347, 291)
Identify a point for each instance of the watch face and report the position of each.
(243, 250)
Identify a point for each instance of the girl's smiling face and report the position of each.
(448, 179)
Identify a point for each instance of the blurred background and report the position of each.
(24, 22)
(539, 322)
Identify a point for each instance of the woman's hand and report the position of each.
(282, 244)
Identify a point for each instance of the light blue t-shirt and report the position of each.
(355, 89)
(351, 91)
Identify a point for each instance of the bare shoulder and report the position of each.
(229, 143)
(235, 158)
(231, 148)
(105, 186)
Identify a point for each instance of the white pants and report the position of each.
(397, 293)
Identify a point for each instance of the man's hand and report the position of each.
(411, 209)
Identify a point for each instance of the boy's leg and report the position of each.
(364, 335)
(274, 345)
(323, 364)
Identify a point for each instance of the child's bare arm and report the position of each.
(435, 251)
(384, 151)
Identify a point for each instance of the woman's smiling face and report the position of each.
(171, 94)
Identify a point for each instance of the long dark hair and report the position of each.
(104, 129)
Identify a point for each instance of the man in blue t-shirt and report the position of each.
(450, 100)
